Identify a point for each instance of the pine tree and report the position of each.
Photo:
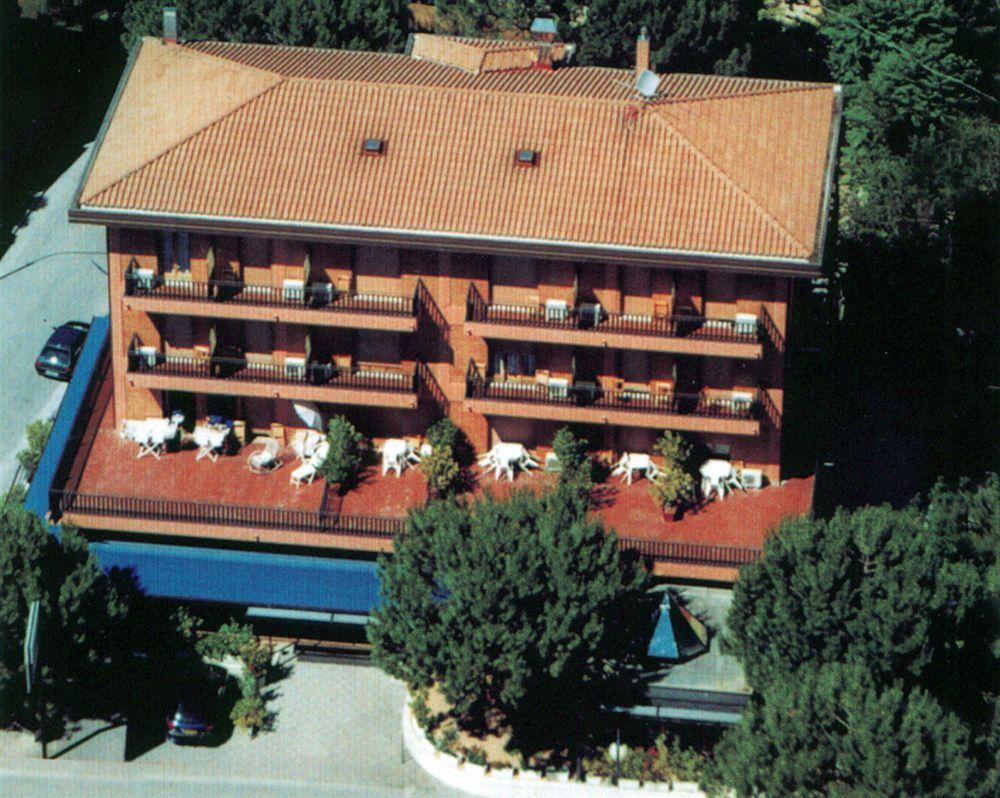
(511, 605)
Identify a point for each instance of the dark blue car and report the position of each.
(58, 356)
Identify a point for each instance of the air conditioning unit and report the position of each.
(742, 401)
(556, 310)
(745, 324)
(142, 279)
(295, 368)
(148, 356)
(558, 388)
(585, 391)
(321, 294)
(590, 314)
(293, 290)
(752, 478)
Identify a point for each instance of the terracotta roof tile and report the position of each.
(718, 164)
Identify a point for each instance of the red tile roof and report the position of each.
(720, 165)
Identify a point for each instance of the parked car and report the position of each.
(199, 709)
(58, 356)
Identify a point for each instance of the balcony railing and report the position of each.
(593, 395)
(240, 369)
(318, 296)
(597, 319)
(237, 515)
(370, 526)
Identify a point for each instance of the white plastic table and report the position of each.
(716, 476)
(396, 455)
(632, 462)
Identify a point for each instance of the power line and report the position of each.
(882, 39)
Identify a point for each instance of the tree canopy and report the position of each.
(511, 605)
(871, 641)
(350, 24)
(83, 612)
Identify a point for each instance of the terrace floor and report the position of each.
(111, 468)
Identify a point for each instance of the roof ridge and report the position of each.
(734, 95)
(729, 179)
(176, 145)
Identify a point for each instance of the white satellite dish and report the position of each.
(648, 83)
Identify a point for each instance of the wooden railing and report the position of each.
(379, 527)
(239, 369)
(317, 296)
(690, 553)
(213, 513)
(696, 327)
(593, 395)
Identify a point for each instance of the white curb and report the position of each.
(471, 779)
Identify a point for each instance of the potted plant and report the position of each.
(673, 487)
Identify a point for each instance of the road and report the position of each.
(53, 272)
(337, 733)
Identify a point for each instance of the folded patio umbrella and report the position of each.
(310, 415)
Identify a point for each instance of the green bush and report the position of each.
(250, 712)
(670, 762)
(443, 433)
(599, 765)
(441, 470)
(634, 762)
(344, 462)
(38, 432)
(421, 712)
(674, 485)
(475, 755)
(446, 742)
(575, 464)
(236, 640)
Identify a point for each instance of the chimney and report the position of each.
(170, 24)
(642, 52)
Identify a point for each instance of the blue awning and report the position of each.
(242, 577)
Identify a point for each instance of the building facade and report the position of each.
(473, 229)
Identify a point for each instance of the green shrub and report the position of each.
(446, 742)
(344, 462)
(575, 464)
(441, 470)
(236, 640)
(443, 433)
(634, 762)
(250, 712)
(37, 432)
(674, 485)
(475, 755)
(599, 765)
(421, 712)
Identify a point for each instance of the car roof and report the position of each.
(65, 335)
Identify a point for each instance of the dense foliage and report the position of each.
(871, 641)
(82, 620)
(347, 24)
(675, 483)
(37, 433)
(512, 605)
(346, 457)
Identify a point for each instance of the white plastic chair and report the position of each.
(304, 474)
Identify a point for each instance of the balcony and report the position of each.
(318, 382)
(295, 302)
(634, 406)
(591, 325)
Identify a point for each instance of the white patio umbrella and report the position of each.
(310, 415)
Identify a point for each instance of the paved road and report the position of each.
(53, 272)
(337, 733)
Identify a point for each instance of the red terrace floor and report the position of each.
(742, 519)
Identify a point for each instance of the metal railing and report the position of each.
(317, 296)
(593, 395)
(690, 553)
(240, 369)
(216, 514)
(599, 320)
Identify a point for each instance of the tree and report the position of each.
(511, 605)
(575, 465)
(833, 731)
(674, 485)
(37, 434)
(873, 643)
(685, 35)
(83, 615)
(344, 461)
(352, 24)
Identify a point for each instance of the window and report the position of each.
(174, 251)
(526, 157)
(513, 364)
(373, 146)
